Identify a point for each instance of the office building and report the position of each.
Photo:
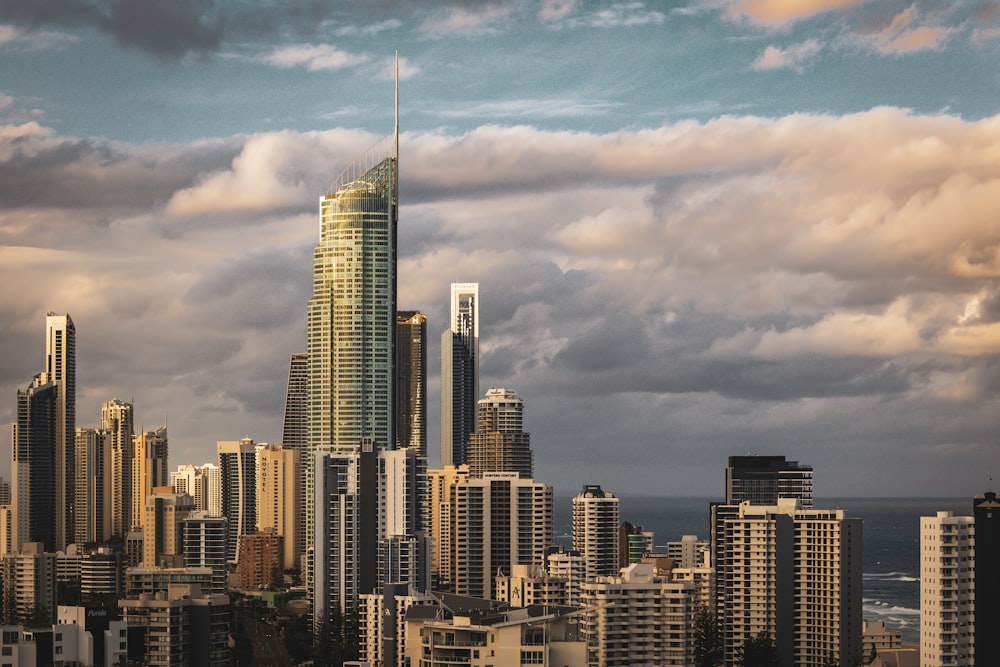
(93, 492)
(149, 469)
(164, 513)
(986, 512)
(637, 618)
(438, 524)
(238, 476)
(947, 590)
(499, 443)
(279, 499)
(498, 520)
(595, 530)
(460, 374)
(761, 480)
(33, 456)
(795, 574)
(117, 423)
(203, 543)
(411, 381)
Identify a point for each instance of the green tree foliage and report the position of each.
(760, 651)
(707, 639)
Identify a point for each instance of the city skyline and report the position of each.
(700, 231)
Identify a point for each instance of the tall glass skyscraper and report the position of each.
(411, 381)
(460, 374)
(352, 313)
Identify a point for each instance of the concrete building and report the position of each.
(260, 561)
(411, 381)
(879, 639)
(528, 585)
(595, 530)
(102, 575)
(499, 443)
(498, 520)
(203, 542)
(93, 486)
(203, 483)
(382, 623)
(238, 475)
(33, 456)
(118, 425)
(179, 626)
(689, 551)
(438, 525)
(460, 374)
(279, 499)
(637, 618)
(476, 633)
(762, 480)
(29, 584)
(793, 573)
(87, 636)
(149, 469)
(164, 515)
(948, 590)
(60, 371)
(569, 565)
(633, 542)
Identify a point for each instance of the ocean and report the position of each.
(891, 543)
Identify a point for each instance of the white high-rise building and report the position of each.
(117, 423)
(441, 483)
(638, 618)
(499, 443)
(498, 520)
(795, 574)
(595, 530)
(60, 370)
(459, 374)
(947, 590)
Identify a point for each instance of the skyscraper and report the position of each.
(149, 469)
(595, 530)
(500, 444)
(411, 381)
(279, 499)
(795, 574)
(116, 421)
(295, 425)
(459, 374)
(93, 493)
(986, 511)
(352, 312)
(33, 455)
(60, 370)
(238, 473)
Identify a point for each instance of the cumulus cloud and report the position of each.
(694, 285)
(17, 37)
(617, 15)
(466, 19)
(793, 57)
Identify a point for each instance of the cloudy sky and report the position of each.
(699, 228)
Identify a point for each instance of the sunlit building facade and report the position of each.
(460, 374)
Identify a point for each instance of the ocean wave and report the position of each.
(880, 608)
(889, 576)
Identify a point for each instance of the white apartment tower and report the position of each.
(438, 524)
(499, 443)
(459, 374)
(795, 574)
(117, 423)
(947, 590)
(498, 520)
(595, 530)
(149, 469)
(60, 370)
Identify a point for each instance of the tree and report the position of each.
(759, 651)
(707, 639)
